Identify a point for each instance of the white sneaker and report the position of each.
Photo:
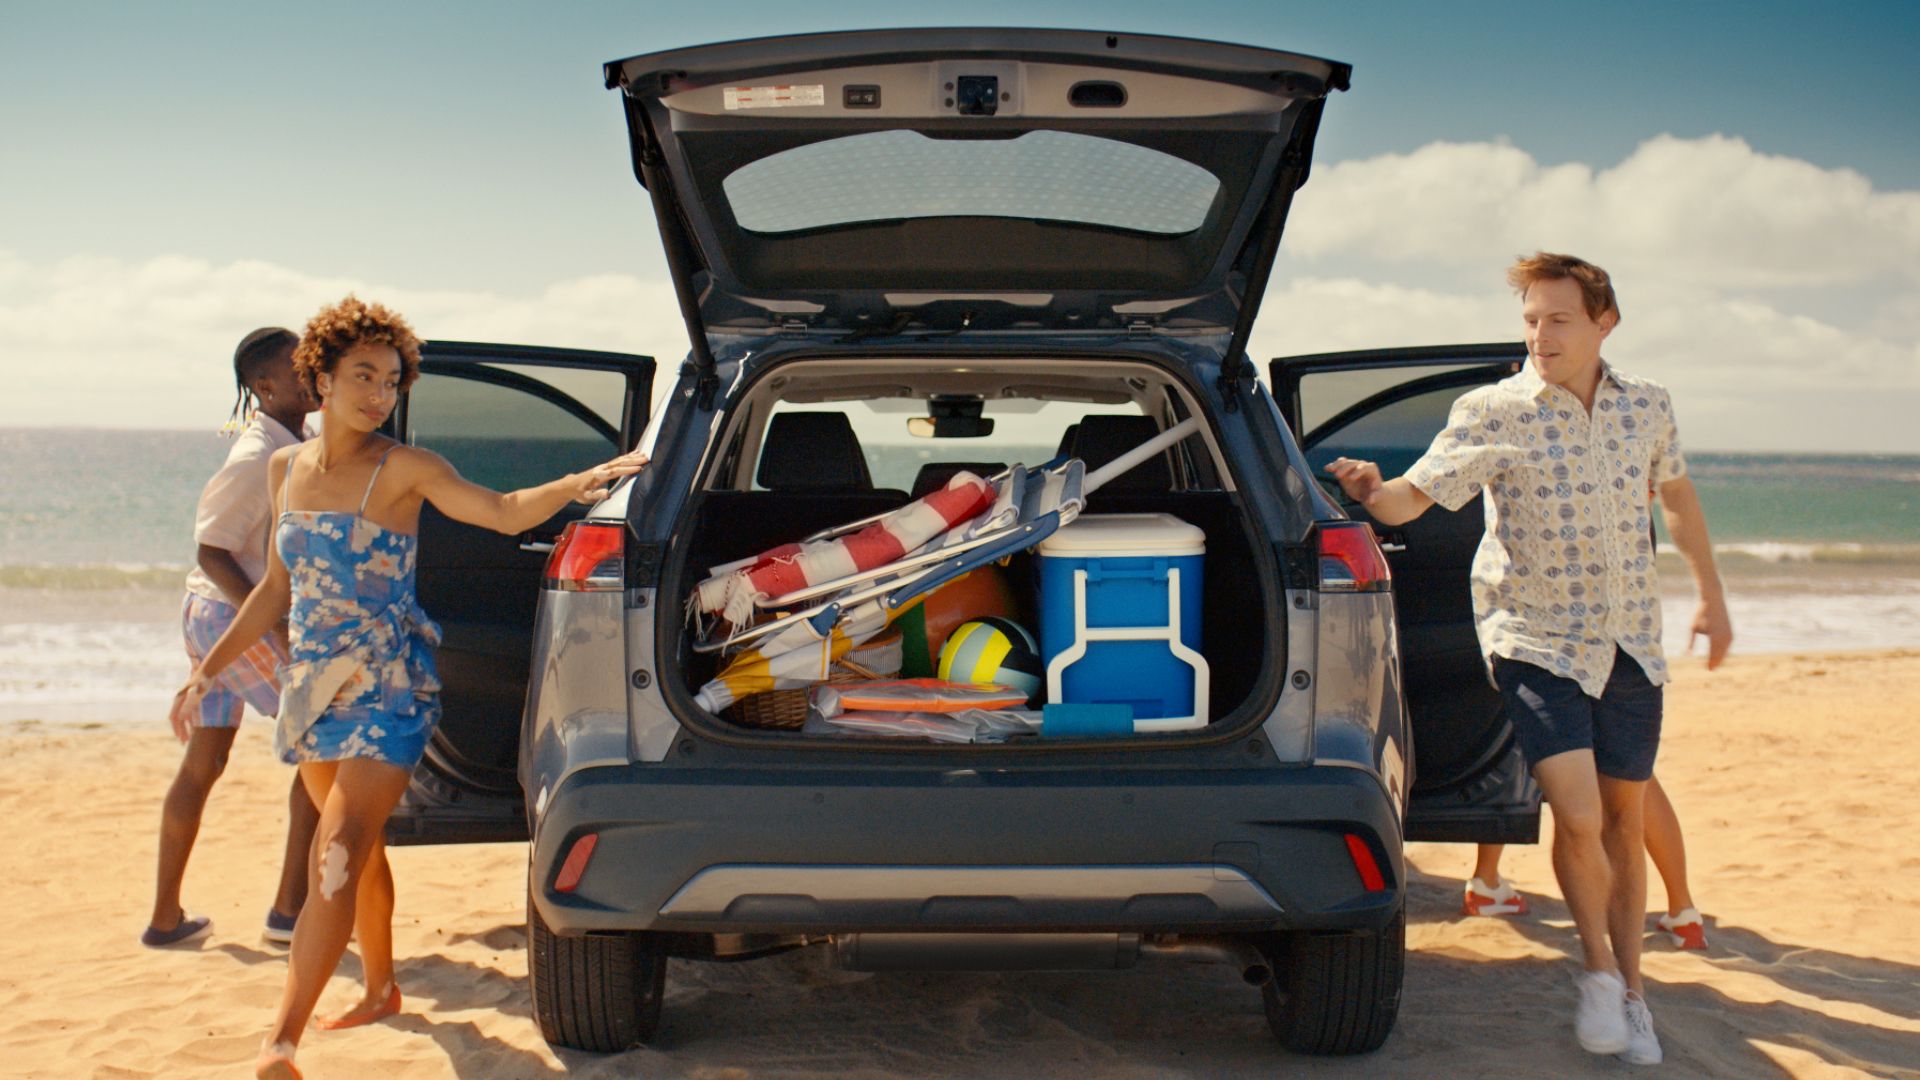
(1643, 1046)
(1600, 1020)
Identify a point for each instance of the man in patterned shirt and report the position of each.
(1567, 603)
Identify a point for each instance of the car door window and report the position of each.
(1394, 435)
(506, 430)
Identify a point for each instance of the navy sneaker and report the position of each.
(279, 928)
(189, 927)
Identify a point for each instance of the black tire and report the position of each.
(600, 992)
(1336, 993)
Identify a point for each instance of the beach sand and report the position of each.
(1793, 775)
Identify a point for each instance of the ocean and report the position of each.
(1818, 552)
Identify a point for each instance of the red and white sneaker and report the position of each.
(1483, 899)
(1686, 930)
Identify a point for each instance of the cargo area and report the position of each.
(798, 461)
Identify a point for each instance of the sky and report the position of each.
(174, 175)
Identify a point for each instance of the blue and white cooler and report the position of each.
(1120, 622)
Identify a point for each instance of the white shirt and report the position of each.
(1565, 571)
(235, 511)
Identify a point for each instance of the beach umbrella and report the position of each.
(735, 589)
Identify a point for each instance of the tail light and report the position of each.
(1351, 559)
(590, 556)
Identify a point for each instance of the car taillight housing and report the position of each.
(590, 556)
(1351, 560)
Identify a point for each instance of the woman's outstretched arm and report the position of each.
(510, 512)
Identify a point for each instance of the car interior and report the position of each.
(792, 460)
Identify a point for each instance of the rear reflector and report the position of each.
(588, 557)
(1362, 855)
(1350, 559)
(576, 863)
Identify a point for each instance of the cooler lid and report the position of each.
(1126, 535)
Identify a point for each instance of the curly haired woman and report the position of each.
(360, 694)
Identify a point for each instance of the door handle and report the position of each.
(542, 546)
(1390, 540)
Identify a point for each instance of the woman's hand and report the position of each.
(594, 484)
(186, 704)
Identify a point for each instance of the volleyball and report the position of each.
(992, 650)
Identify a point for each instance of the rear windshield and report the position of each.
(1041, 175)
(1026, 431)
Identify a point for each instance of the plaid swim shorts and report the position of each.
(253, 679)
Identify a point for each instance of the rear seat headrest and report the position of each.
(812, 451)
(1100, 439)
(934, 474)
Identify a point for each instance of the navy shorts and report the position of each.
(1552, 715)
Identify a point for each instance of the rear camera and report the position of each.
(977, 95)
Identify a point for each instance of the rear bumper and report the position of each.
(797, 850)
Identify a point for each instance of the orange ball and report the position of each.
(925, 625)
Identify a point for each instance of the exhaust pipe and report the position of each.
(1041, 952)
(1249, 961)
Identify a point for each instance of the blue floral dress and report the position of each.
(361, 681)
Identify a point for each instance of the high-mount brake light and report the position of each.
(1351, 559)
(590, 556)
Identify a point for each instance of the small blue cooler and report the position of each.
(1120, 617)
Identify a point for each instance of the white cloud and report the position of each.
(1710, 209)
(1727, 262)
(109, 342)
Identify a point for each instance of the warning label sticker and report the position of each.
(774, 97)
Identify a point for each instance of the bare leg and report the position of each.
(373, 923)
(1667, 847)
(355, 797)
(1579, 856)
(205, 759)
(1486, 864)
(1625, 839)
(302, 818)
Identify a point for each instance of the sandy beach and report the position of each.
(1792, 773)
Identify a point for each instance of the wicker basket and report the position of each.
(786, 710)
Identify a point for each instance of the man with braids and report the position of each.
(361, 693)
(269, 411)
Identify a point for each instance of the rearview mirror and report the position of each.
(949, 427)
(951, 416)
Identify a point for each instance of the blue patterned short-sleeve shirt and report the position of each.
(1565, 571)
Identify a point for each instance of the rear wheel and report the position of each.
(600, 992)
(1336, 993)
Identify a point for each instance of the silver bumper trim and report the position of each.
(710, 893)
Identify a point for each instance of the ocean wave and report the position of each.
(93, 576)
(1776, 552)
(69, 662)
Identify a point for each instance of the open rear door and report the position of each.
(507, 417)
(1470, 783)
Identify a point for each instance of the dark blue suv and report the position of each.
(1061, 238)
